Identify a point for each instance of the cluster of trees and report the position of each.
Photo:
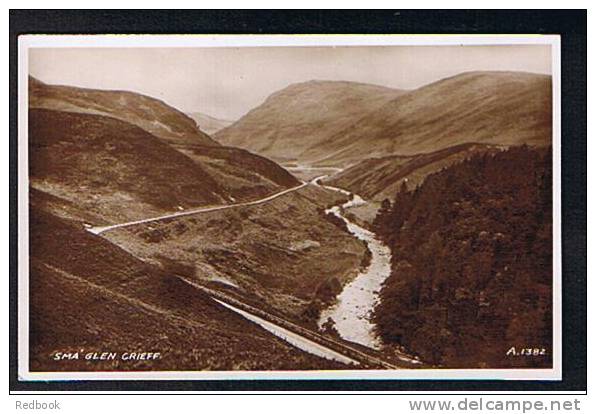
(472, 262)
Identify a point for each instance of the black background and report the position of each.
(570, 24)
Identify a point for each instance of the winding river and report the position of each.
(352, 310)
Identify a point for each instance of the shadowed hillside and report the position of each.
(113, 168)
(88, 295)
(226, 173)
(245, 175)
(150, 114)
(120, 171)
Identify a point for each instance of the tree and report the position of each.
(477, 238)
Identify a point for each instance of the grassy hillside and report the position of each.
(244, 175)
(121, 172)
(219, 174)
(88, 295)
(505, 108)
(150, 114)
(113, 168)
(380, 178)
(303, 115)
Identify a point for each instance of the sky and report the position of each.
(228, 82)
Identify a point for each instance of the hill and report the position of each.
(121, 172)
(504, 108)
(88, 295)
(280, 255)
(150, 114)
(245, 175)
(208, 124)
(303, 115)
(379, 178)
(341, 123)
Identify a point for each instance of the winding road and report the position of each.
(103, 229)
(295, 335)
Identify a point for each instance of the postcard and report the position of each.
(289, 207)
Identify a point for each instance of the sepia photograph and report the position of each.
(289, 207)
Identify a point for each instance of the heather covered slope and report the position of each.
(302, 116)
(121, 172)
(472, 263)
(113, 168)
(88, 295)
(245, 175)
(220, 174)
(506, 108)
(150, 114)
(280, 254)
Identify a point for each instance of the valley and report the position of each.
(303, 115)
(208, 124)
(350, 315)
(288, 239)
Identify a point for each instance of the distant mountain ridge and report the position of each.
(503, 108)
(209, 124)
(507, 108)
(150, 114)
(303, 115)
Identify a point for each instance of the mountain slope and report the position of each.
(208, 124)
(150, 114)
(245, 175)
(113, 168)
(279, 254)
(88, 295)
(380, 178)
(238, 174)
(507, 108)
(121, 172)
(303, 115)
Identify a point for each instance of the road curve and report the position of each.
(300, 341)
(103, 229)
